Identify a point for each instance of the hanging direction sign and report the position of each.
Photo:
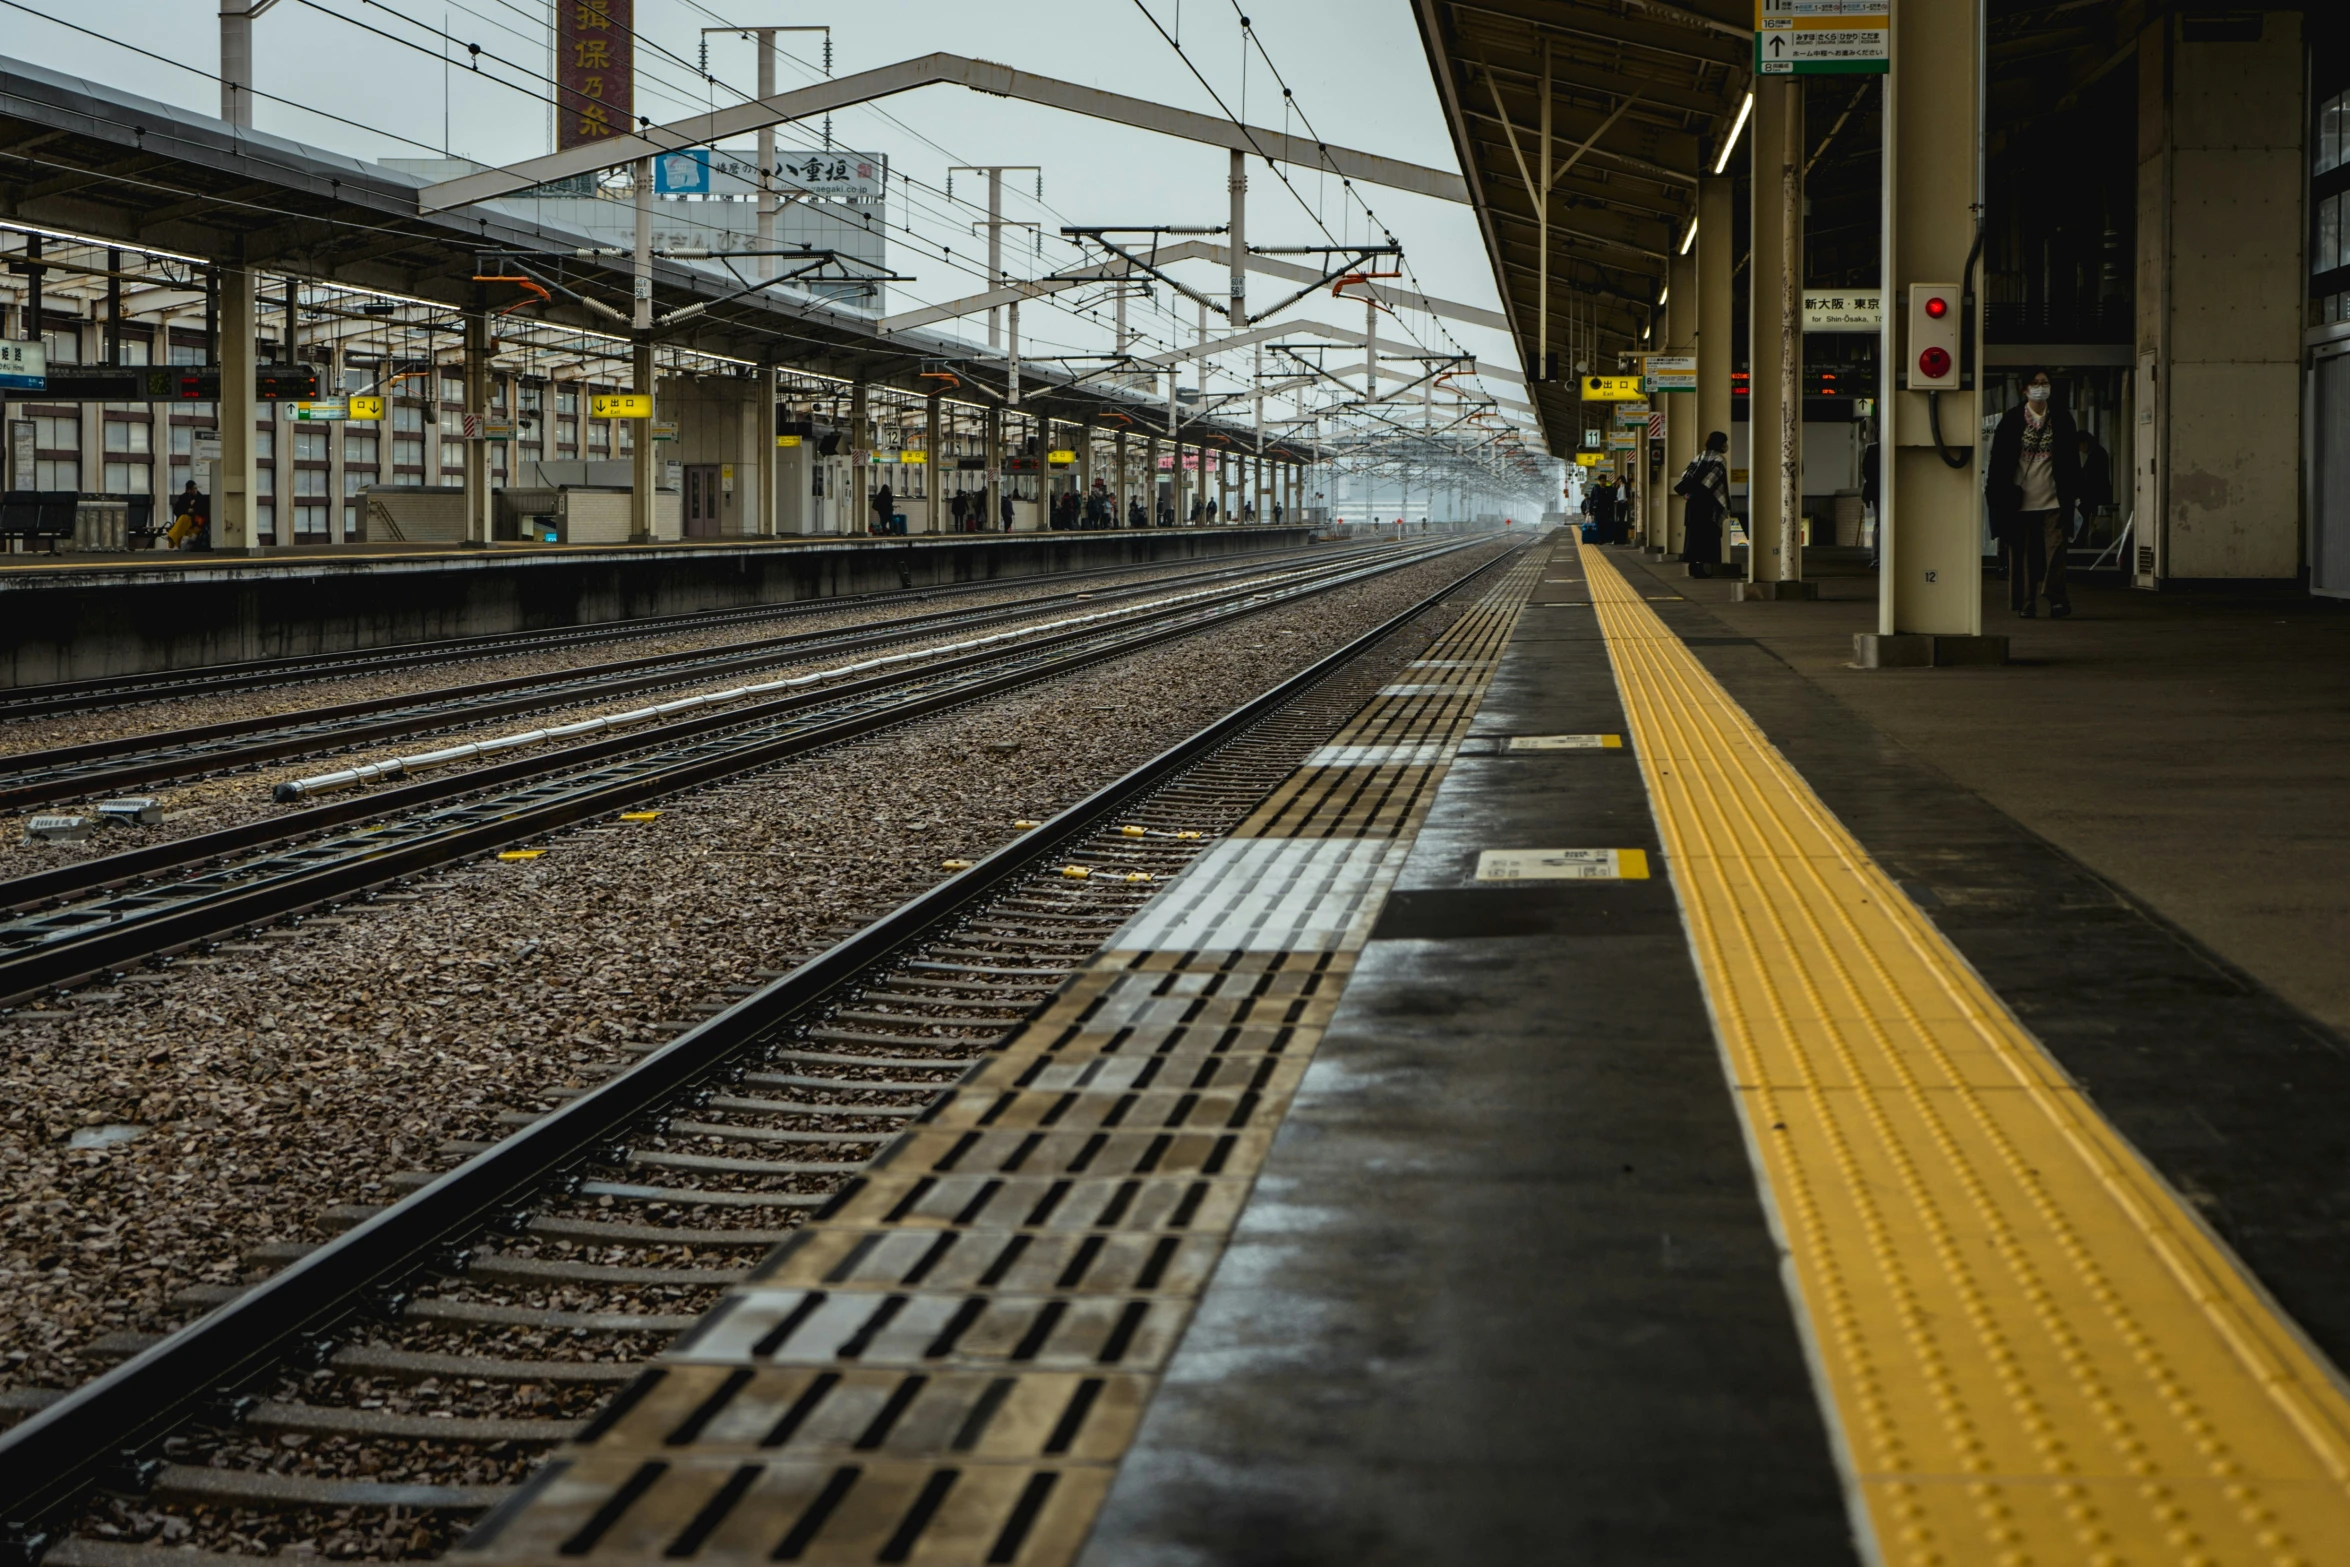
(1822, 37)
(1843, 310)
(1672, 372)
(1612, 389)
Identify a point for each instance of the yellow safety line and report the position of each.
(2033, 1353)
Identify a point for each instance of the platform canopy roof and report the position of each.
(82, 158)
(1643, 95)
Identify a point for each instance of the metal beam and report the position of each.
(983, 76)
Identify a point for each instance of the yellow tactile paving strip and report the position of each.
(2032, 1352)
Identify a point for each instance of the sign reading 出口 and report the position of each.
(595, 70)
(1822, 37)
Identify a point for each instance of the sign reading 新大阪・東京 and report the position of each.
(595, 70)
(1822, 37)
(1843, 310)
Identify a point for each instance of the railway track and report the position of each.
(172, 895)
(162, 758)
(116, 691)
(408, 1373)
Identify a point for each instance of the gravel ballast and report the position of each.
(155, 1133)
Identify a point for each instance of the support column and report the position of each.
(991, 491)
(934, 477)
(477, 401)
(860, 515)
(1150, 481)
(1120, 486)
(2217, 468)
(1715, 344)
(1682, 435)
(1930, 579)
(1774, 382)
(763, 431)
(1084, 467)
(234, 477)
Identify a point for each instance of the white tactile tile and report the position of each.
(1409, 689)
(1270, 895)
(1380, 756)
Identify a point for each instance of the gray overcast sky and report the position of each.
(1356, 67)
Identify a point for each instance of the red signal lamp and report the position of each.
(1937, 307)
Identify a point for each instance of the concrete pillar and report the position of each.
(1124, 482)
(1150, 480)
(235, 477)
(1084, 466)
(1715, 344)
(2221, 230)
(763, 432)
(1179, 482)
(991, 491)
(1774, 433)
(643, 474)
(935, 475)
(1682, 436)
(859, 487)
(1930, 581)
(477, 401)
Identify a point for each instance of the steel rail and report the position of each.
(75, 696)
(150, 921)
(46, 888)
(71, 772)
(97, 1433)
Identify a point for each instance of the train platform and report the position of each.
(73, 617)
(1614, 1103)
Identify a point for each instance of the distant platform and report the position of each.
(79, 617)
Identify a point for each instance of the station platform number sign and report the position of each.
(1822, 37)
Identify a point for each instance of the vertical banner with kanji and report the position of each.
(595, 70)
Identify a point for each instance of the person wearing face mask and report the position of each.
(2032, 484)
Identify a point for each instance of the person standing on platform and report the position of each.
(1005, 506)
(885, 506)
(1600, 507)
(1706, 484)
(2034, 483)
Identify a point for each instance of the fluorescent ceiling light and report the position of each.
(1731, 145)
(1690, 238)
(1661, 298)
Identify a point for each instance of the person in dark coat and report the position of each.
(2033, 484)
(1706, 484)
(1600, 504)
(2096, 484)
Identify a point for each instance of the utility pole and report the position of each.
(1237, 183)
(996, 223)
(236, 59)
(641, 511)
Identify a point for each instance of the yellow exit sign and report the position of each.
(621, 405)
(1612, 389)
(367, 408)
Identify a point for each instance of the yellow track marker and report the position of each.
(954, 865)
(1076, 872)
(520, 854)
(640, 816)
(2032, 1352)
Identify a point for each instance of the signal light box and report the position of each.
(1935, 330)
